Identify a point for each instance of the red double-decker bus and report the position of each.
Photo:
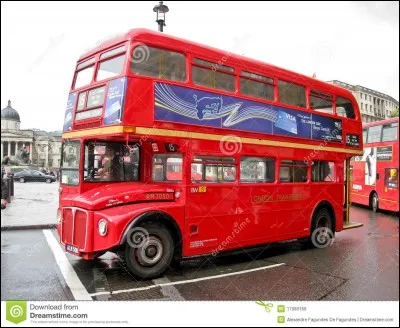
(172, 149)
(375, 174)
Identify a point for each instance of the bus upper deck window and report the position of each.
(159, 63)
(110, 68)
(292, 94)
(389, 132)
(84, 77)
(321, 102)
(212, 75)
(344, 108)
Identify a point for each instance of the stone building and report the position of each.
(374, 105)
(44, 147)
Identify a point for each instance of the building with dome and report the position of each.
(44, 147)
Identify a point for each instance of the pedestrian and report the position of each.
(4, 193)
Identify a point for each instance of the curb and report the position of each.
(29, 227)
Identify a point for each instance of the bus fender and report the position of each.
(155, 216)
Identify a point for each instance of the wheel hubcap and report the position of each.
(323, 234)
(151, 252)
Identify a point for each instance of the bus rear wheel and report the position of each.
(322, 233)
(149, 251)
(374, 202)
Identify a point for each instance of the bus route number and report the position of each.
(171, 148)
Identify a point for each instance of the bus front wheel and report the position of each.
(374, 202)
(149, 251)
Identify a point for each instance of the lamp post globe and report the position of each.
(161, 10)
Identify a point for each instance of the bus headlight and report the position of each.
(177, 194)
(102, 227)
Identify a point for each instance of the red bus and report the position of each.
(375, 174)
(172, 149)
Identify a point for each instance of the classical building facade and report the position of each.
(374, 105)
(44, 147)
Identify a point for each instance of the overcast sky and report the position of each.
(357, 43)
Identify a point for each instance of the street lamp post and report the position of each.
(161, 10)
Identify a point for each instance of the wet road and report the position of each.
(361, 264)
(28, 268)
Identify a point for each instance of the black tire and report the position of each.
(22, 180)
(48, 180)
(157, 245)
(322, 231)
(374, 202)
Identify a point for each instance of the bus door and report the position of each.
(347, 186)
(347, 201)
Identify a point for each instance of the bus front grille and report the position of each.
(74, 227)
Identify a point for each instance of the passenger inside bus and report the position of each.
(112, 168)
(111, 162)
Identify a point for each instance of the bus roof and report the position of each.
(161, 39)
(389, 120)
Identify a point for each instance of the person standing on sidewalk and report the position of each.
(4, 192)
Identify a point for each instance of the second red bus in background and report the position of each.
(375, 177)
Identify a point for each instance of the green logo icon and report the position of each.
(281, 319)
(267, 306)
(16, 311)
(281, 308)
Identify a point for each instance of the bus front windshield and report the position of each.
(111, 161)
(70, 162)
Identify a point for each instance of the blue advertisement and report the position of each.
(69, 112)
(185, 105)
(115, 101)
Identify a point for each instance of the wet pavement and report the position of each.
(28, 268)
(34, 204)
(361, 264)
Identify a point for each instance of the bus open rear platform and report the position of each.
(352, 225)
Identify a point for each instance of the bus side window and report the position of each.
(344, 108)
(321, 102)
(159, 63)
(293, 171)
(167, 168)
(392, 178)
(323, 171)
(292, 94)
(213, 169)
